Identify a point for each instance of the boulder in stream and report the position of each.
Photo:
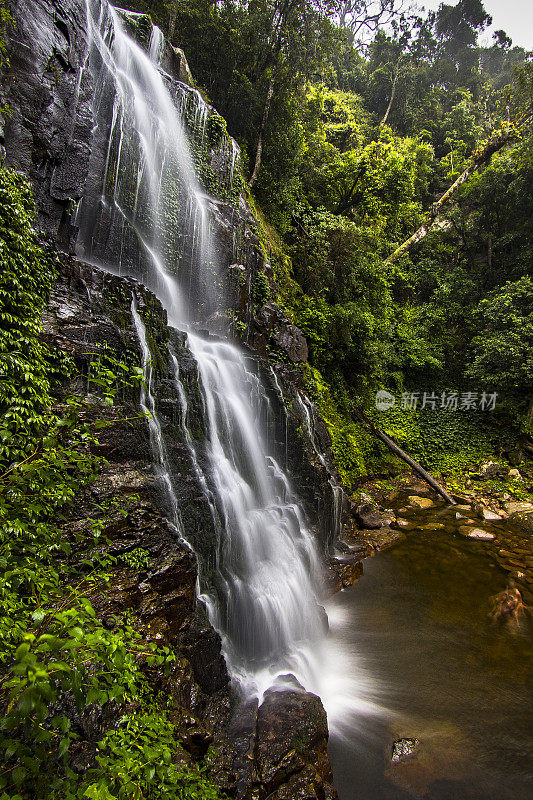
(291, 746)
(383, 538)
(475, 533)
(489, 516)
(368, 516)
(514, 507)
(420, 502)
(523, 520)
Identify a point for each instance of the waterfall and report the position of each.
(147, 403)
(145, 214)
(266, 598)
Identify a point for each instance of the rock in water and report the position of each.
(432, 526)
(508, 608)
(291, 747)
(523, 520)
(420, 502)
(475, 533)
(404, 523)
(513, 507)
(368, 517)
(403, 749)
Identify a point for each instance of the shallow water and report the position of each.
(444, 674)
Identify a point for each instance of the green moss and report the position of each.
(261, 292)
(139, 26)
(355, 451)
(216, 129)
(446, 442)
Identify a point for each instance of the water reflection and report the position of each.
(448, 676)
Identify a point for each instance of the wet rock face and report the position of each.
(50, 135)
(89, 315)
(271, 324)
(48, 132)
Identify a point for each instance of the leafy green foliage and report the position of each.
(24, 284)
(503, 354)
(136, 761)
(260, 288)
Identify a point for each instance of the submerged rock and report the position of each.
(432, 526)
(404, 748)
(523, 520)
(508, 608)
(475, 533)
(420, 502)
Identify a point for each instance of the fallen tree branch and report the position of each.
(479, 158)
(391, 444)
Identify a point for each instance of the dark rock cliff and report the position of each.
(47, 132)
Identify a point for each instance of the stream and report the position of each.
(443, 672)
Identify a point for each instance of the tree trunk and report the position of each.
(172, 20)
(361, 417)
(479, 158)
(530, 412)
(264, 121)
(393, 92)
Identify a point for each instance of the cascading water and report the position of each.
(147, 403)
(145, 214)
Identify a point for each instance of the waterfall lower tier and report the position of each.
(266, 592)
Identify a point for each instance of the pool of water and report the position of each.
(443, 672)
